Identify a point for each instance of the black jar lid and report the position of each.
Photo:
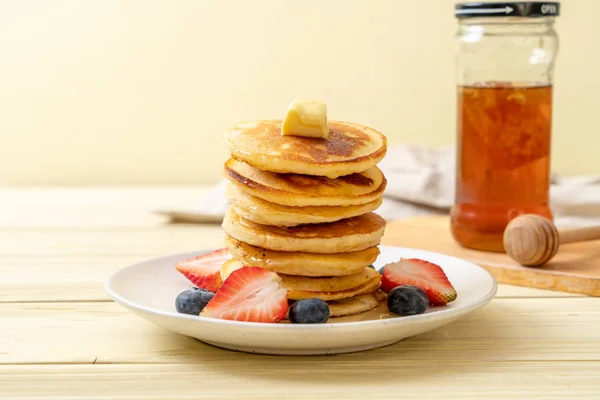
(528, 9)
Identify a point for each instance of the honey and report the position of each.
(503, 160)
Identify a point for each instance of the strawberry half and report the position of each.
(428, 276)
(249, 294)
(205, 271)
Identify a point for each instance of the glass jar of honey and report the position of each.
(505, 55)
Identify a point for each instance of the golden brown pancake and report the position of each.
(371, 285)
(298, 287)
(302, 264)
(351, 234)
(328, 283)
(264, 212)
(229, 266)
(349, 148)
(305, 190)
(356, 304)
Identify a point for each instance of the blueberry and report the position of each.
(381, 270)
(309, 311)
(192, 301)
(407, 300)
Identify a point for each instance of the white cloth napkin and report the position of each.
(421, 182)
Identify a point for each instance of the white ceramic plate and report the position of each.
(149, 289)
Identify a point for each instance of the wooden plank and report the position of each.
(100, 196)
(73, 265)
(523, 348)
(145, 242)
(506, 330)
(575, 269)
(58, 278)
(522, 291)
(61, 244)
(32, 290)
(366, 376)
(31, 278)
(53, 292)
(80, 207)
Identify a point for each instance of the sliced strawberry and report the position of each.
(428, 276)
(249, 294)
(205, 271)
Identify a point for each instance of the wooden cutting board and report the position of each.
(575, 269)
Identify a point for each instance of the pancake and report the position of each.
(356, 304)
(351, 234)
(305, 190)
(371, 285)
(330, 283)
(334, 288)
(302, 264)
(264, 212)
(349, 148)
(308, 284)
(228, 267)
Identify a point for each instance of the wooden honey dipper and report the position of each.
(533, 240)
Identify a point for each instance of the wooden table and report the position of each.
(61, 337)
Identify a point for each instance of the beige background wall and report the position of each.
(132, 91)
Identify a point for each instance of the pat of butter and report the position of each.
(306, 118)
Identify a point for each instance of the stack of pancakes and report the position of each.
(302, 207)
